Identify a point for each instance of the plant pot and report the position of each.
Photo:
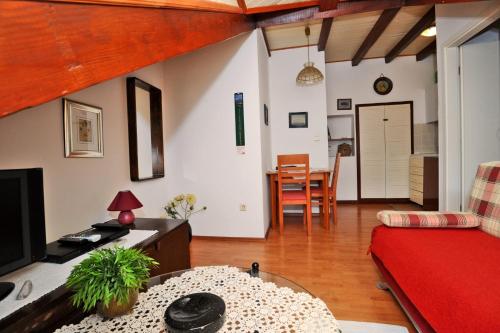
(113, 309)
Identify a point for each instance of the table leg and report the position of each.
(272, 194)
(326, 201)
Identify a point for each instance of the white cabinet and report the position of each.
(385, 146)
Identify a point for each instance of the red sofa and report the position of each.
(448, 280)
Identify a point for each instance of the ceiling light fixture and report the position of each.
(429, 32)
(309, 75)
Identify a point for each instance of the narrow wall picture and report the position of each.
(239, 119)
(266, 115)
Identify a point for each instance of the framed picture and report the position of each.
(82, 130)
(344, 104)
(297, 120)
(266, 115)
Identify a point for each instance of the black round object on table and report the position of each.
(199, 312)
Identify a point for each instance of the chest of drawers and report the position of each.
(423, 180)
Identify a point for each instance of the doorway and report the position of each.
(480, 104)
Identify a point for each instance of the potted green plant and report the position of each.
(110, 279)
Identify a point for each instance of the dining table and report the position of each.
(321, 175)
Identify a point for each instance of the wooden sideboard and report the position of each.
(170, 247)
(424, 185)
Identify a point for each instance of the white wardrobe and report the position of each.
(384, 139)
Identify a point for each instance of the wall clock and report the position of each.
(382, 85)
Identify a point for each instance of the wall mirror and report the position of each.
(145, 130)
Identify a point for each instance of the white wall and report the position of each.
(454, 22)
(200, 150)
(78, 190)
(288, 97)
(265, 131)
(413, 81)
(480, 73)
(200, 135)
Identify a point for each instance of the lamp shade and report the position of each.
(124, 200)
(309, 75)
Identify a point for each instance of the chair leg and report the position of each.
(321, 210)
(280, 208)
(304, 215)
(334, 210)
(309, 219)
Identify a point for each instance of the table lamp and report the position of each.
(124, 202)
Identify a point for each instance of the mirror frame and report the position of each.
(156, 129)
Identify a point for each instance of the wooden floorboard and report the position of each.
(332, 265)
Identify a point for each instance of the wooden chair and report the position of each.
(294, 169)
(317, 193)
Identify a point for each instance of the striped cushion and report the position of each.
(393, 218)
(485, 197)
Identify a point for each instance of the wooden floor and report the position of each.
(332, 265)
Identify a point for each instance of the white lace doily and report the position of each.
(251, 305)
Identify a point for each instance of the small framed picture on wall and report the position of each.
(82, 130)
(297, 120)
(344, 104)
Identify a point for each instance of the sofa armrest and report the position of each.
(419, 219)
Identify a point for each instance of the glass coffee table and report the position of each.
(269, 303)
(265, 276)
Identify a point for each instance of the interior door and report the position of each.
(372, 151)
(480, 114)
(397, 150)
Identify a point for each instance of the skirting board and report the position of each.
(235, 238)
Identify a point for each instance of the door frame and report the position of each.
(449, 131)
(358, 151)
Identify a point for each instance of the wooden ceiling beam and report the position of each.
(326, 24)
(204, 5)
(242, 4)
(377, 30)
(326, 27)
(282, 7)
(350, 8)
(325, 5)
(425, 22)
(286, 17)
(427, 51)
(53, 49)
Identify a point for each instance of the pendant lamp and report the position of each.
(309, 75)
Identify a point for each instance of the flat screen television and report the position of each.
(22, 217)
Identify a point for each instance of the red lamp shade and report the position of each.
(124, 202)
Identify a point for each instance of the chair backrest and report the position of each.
(335, 175)
(293, 169)
(485, 197)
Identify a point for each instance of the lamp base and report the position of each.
(126, 217)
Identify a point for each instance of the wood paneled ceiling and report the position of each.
(349, 32)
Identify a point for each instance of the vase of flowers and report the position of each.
(110, 279)
(182, 206)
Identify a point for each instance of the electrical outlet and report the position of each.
(243, 207)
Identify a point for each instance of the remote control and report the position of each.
(76, 239)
